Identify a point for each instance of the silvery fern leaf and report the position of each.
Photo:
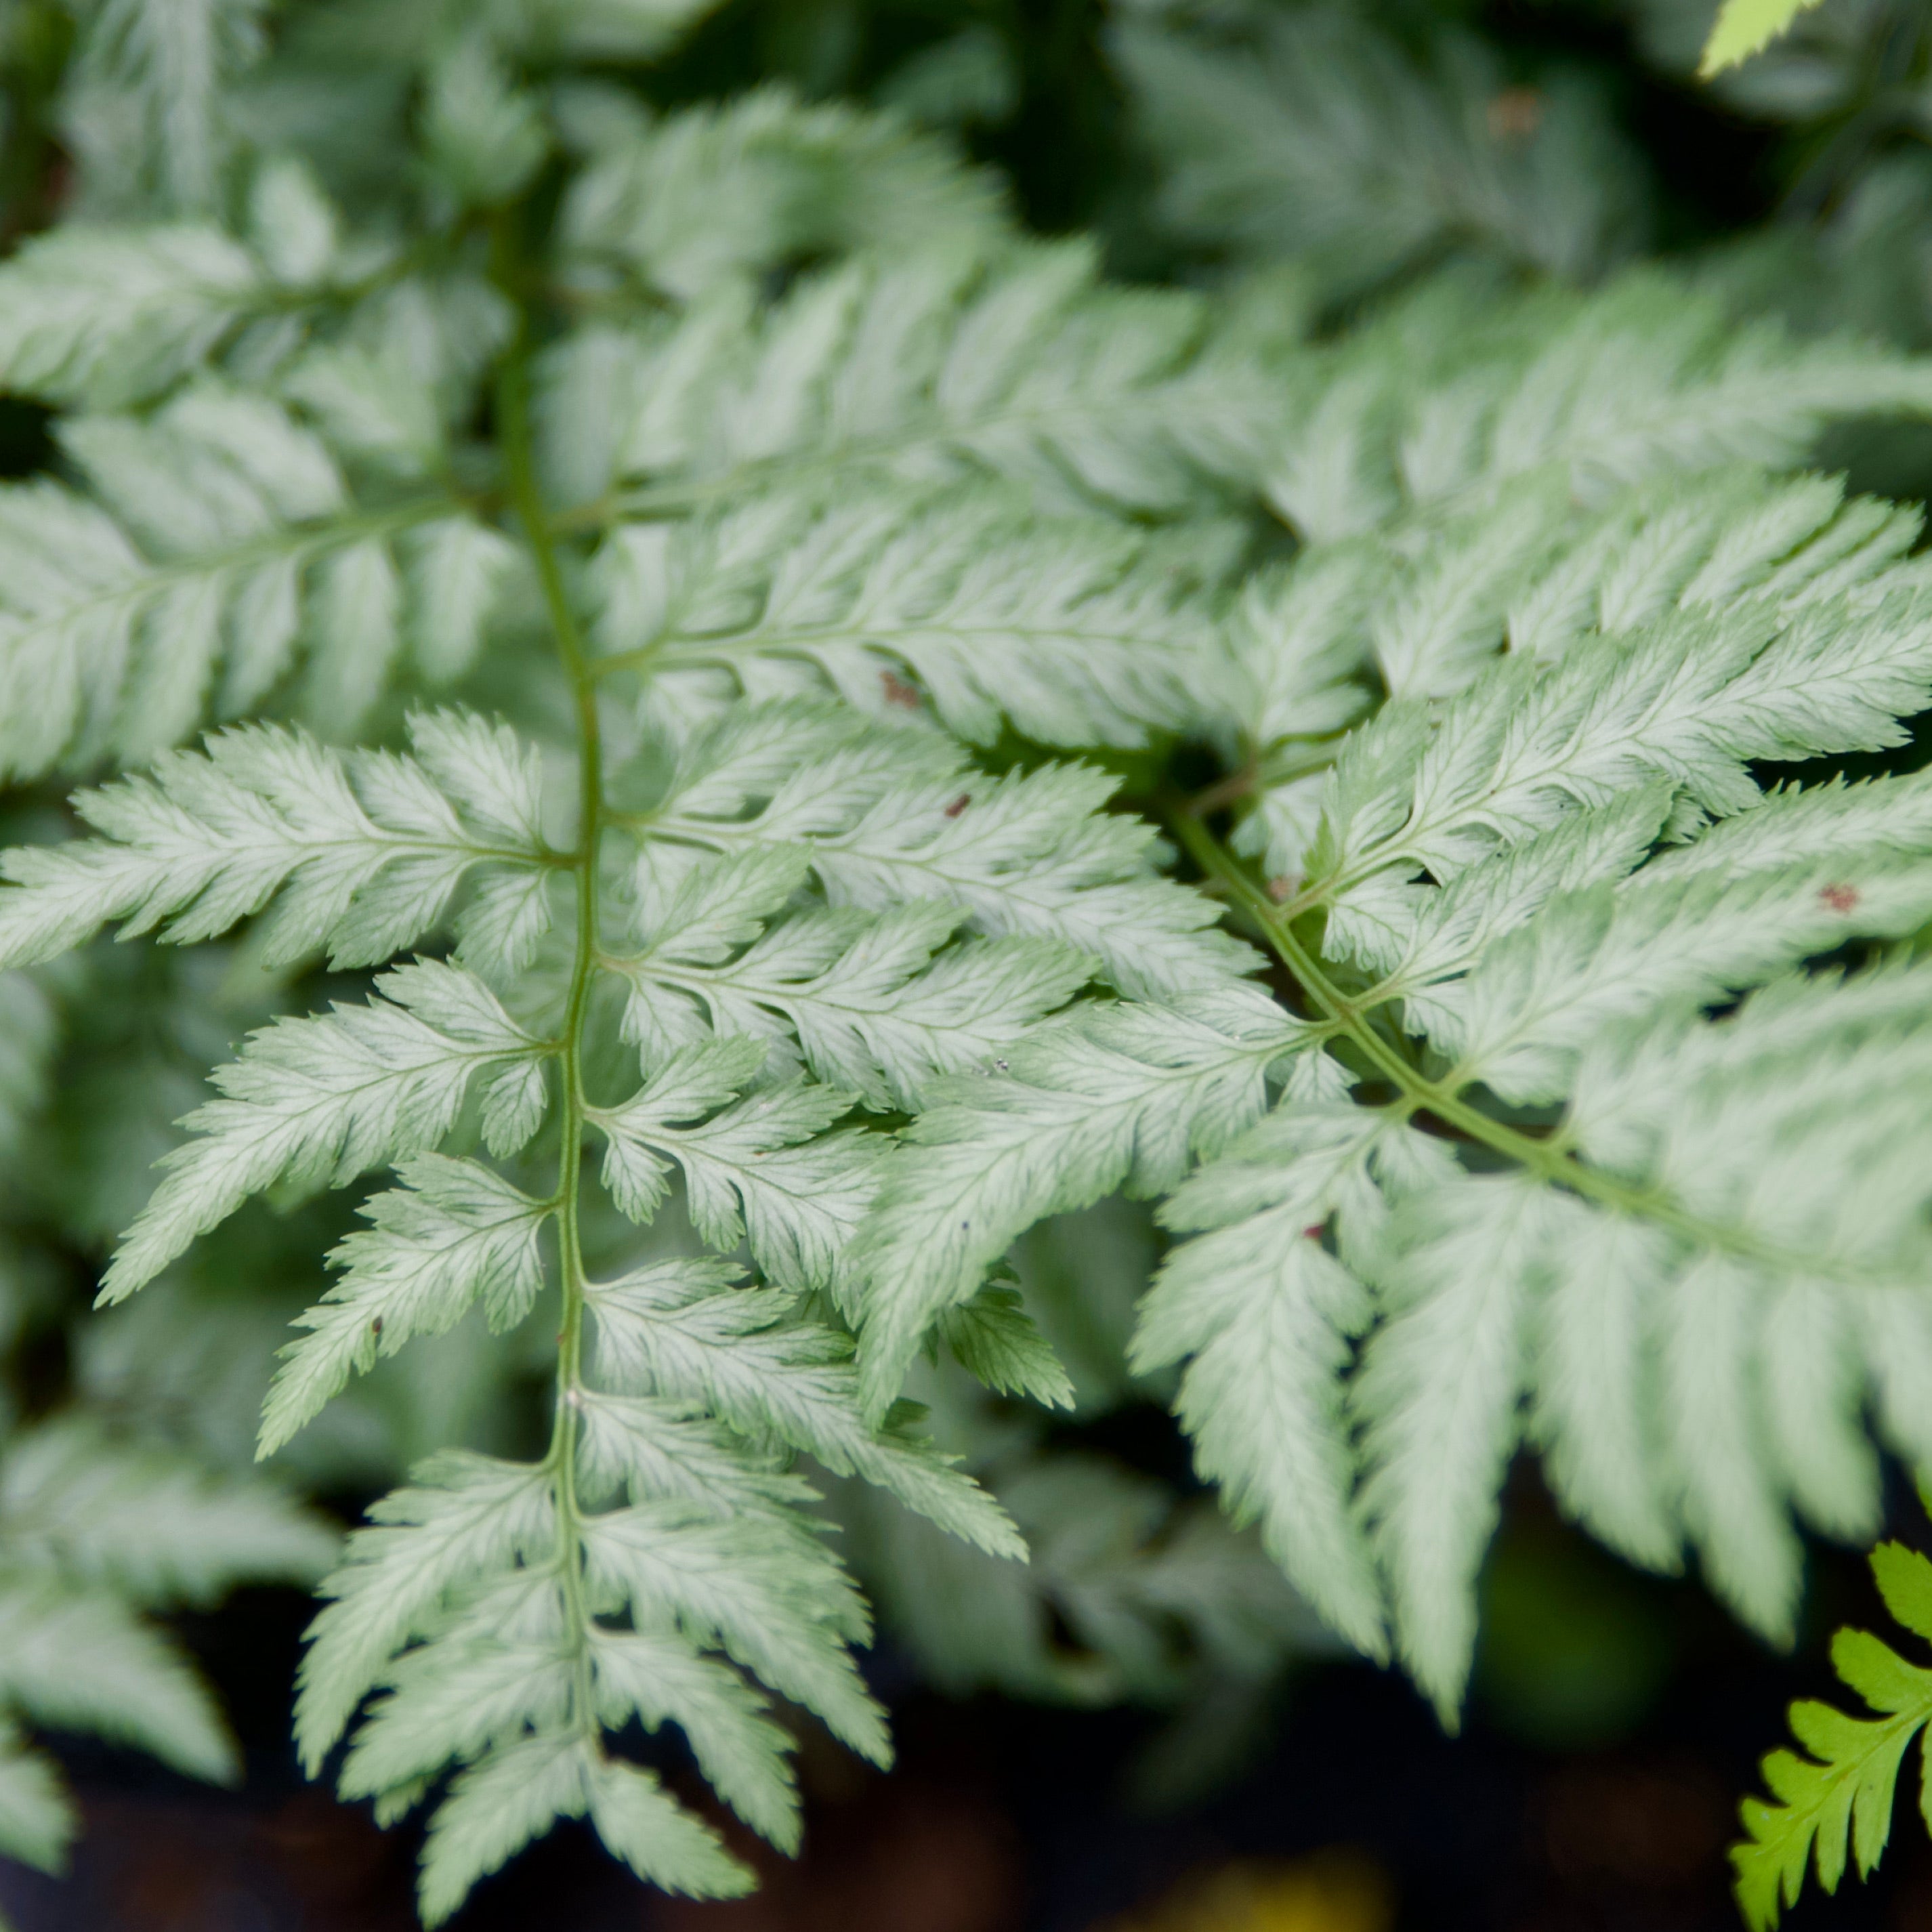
(934, 363)
(716, 193)
(1446, 398)
(383, 347)
(1733, 618)
(1079, 631)
(455, 1233)
(360, 854)
(867, 1000)
(594, 30)
(316, 1102)
(760, 1168)
(674, 1527)
(409, 35)
(217, 542)
(1264, 1314)
(148, 88)
(733, 1008)
(36, 1818)
(1423, 613)
(95, 1531)
(675, 1331)
(112, 316)
(484, 136)
(106, 315)
(1121, 1095)
(1685, 1246)
(145, 1520)
(886, 816)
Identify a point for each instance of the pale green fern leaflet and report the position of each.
(1557, 1134)
(1502, 1177)
(96, 1531)
(510, 1615)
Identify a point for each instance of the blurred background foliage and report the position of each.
(1328, 154)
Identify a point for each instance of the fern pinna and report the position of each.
(659, 650)
(1839, 1799)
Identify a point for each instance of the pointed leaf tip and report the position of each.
(1743, 28)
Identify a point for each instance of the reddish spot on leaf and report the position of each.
(1314, 1232)
(1515, 114)
(1840, 899)
(897, 692)
(959, 804)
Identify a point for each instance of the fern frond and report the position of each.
(87, 1663)
(704, 197)
(1839, 1798)
(707, 1388)
(995, 1339)
(456, 1233)
(466, 1517)
(146, 1522)
(887, 817)
(1423, 610)
(94, 1532)
(939, 363)
(1120, 1095)
(359, 854)
(1691, 699)
(37, 1820)
(218, 537)
(150, 77)
(1444, 399)
(317, 1102)
(1314, 136)
(1742, 27)
(761, 1168)
(113, 316)
(1267, 1313)
(872, 1001)
(484, 137)
(674, 1331)
(594, 30)
(1077, 631)
(497, 1807)
(1696, 1274)
(107, 316)
(758, 1017)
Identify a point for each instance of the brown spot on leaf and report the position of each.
(1840, 899)
(897, 692)
(1281, 890)
(1515, 114)
(959, 804)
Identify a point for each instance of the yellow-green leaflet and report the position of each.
(1746, 27)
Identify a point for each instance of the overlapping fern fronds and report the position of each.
(692, 684)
